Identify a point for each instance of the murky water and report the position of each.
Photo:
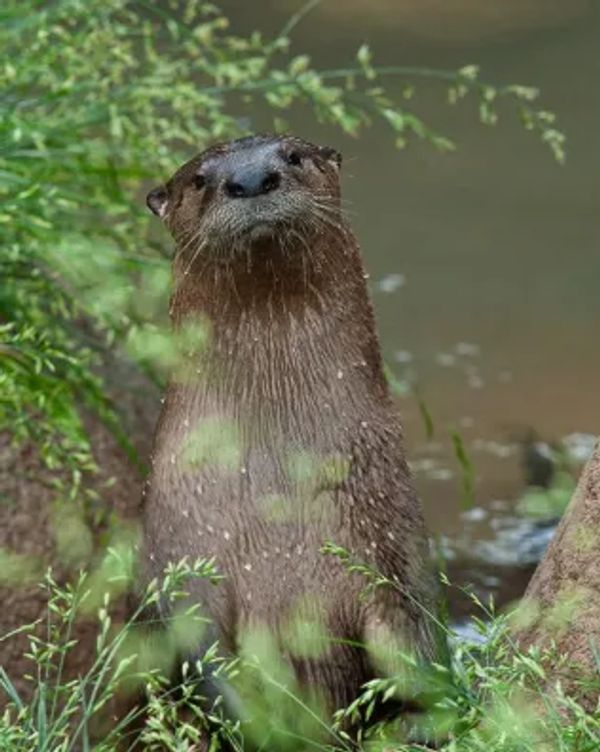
(485, 262)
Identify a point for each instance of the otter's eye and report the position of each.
(199, 181)
(294, 159)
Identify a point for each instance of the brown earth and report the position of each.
(34, 522)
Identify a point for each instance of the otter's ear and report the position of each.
(332, 156)
(158, 201)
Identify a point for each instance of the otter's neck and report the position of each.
(293, 346)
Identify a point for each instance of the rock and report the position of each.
(562, 600)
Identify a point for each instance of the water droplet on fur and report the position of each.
(226, 535)
(340, 374)
(248, 567)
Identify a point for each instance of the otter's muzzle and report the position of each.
(250, 180)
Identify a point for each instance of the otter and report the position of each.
(278, 431)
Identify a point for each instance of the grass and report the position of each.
(494, 695)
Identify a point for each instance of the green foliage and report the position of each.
(496, 694)
(63, 710)
(548, 504)
(467, 469)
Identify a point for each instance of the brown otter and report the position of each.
(297, 439)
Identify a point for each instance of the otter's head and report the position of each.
(238, 194)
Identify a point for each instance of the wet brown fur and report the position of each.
(293, 370)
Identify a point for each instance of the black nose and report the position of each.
(252, 180)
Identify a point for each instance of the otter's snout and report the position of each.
(252, 179)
